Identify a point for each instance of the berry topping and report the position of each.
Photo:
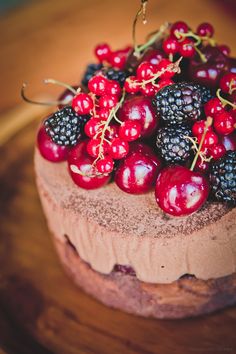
(223, 178)
(180, 191)
(65, 126)
(173, 144)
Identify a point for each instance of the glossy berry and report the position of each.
(113, 88)
(153, 56)
(92, 127)
(213, 107)
(140, 109)
(93, 147)
(137, 173)
(145, 71)
(199, 127)
(210, 139)
(186, 48)
(118, 149)
(163, 83)
(82, 103)
(117, 59)
(112, 132)
(84, 163)
(130, 130)
(50, 150)
(103, 113)
(224, 49)
(170, 46)
(205, 30)
(131, 85)
(202, 166)
(108, 101)
(163, 66)
(149, 90)
(228, 83)
(180, 191)
(224, 123)
(105, 165)
(98, 85)
(102, 52)
(217, 151)
(229, 141)
(177, 27)
(77, 151)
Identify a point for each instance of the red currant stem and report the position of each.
(141, 11)
(60, 83)
(195, 147)
(171, 57)
(49, 103)
(223, 100)
(157, 35)
(232, 87)
(208, 123)
(198, 39)
(117, 119)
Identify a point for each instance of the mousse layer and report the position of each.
(109, 227)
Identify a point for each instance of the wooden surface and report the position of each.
(41, 311)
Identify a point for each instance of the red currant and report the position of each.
(228, 82)
(93, 147)
(103, 113)
(229, 141)
(108, 101)
(199, 127)
(213, 107)
(186, 48)
(117, 59)
(205, 30)
(102, 52)
(217, 151)
(105, 165)
(224, 123)
(113, 88)
(118, 148)
(202, 166)
(177, 27)
(98, 85)
(145, 71)
(170, 46)
(112, 132)
(162, 66)
(149, 90)
(153, 56)
(131, 86)
(163, 83)
(210, 139)
(92, 127)
(82, 103)
(130, 130)
(224, 49)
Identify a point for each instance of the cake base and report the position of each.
(185, 297)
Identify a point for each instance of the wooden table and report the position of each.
(41, 311)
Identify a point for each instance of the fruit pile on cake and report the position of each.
(136, 171)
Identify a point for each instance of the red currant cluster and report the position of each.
(117, 59)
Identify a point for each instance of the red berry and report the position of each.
(186, 48)
(118, 148)
(131, 86)
(137, 173)
(217, 151)
(224, 49)
(102, 52)
(199, 127)
(163, 83)
(98, 85)
(108, 101)
(162, 66)
(113, 88)
(153, 56)
(77, 151)
(50, 150)
(177, 27)
(180, 191)
(117, 59)
(82, 103)
(210, 139)
(93, 147)
(205, 30)
(202, 166)
(145, 71)
(105, 165)
(229, 141)
(228, 82)
(92, 127)
(112, 132)
(130, 130)
(170, 46)
(103, 113)
(224, 123)
(149, 90)
(213, 107)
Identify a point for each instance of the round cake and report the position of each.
(130, 255)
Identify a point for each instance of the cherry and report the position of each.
(82, 103)
(170, 46)
(48, 149)
(131, 86)
(137, 173)
(217, 151)
(102, 52)
(98, 85)
(108, 101)
(186, 48)
(84, 163)
(105, 165)
(224, 49)
(92, 127)
(177, 27)
(228, 82)
(113, 88)
(229, 141)
(213, 107)
(118, 148)
(77, 151)
(205, 30)
(153, 56)
(224, 123)
(140, 109)
(164, 63)
(130, 130)
(180, 191)
(145, 71)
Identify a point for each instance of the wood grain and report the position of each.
(41, 310)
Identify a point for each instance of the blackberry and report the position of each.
(117, 75)
(205, 94)
(223, 178)
(181, 102)
(65, 126)
(90, 72)
(172, 144)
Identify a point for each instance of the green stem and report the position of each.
(224, 101)
(60, 83)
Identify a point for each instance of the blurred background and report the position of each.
(55, 38)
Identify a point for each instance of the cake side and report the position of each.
(208, 252)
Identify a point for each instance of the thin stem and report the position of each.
(157, 35)
(49, 103)
(60, 83)
(141, 11)
(223, 100)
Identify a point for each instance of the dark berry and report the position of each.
(116, 75)
(90, 72)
